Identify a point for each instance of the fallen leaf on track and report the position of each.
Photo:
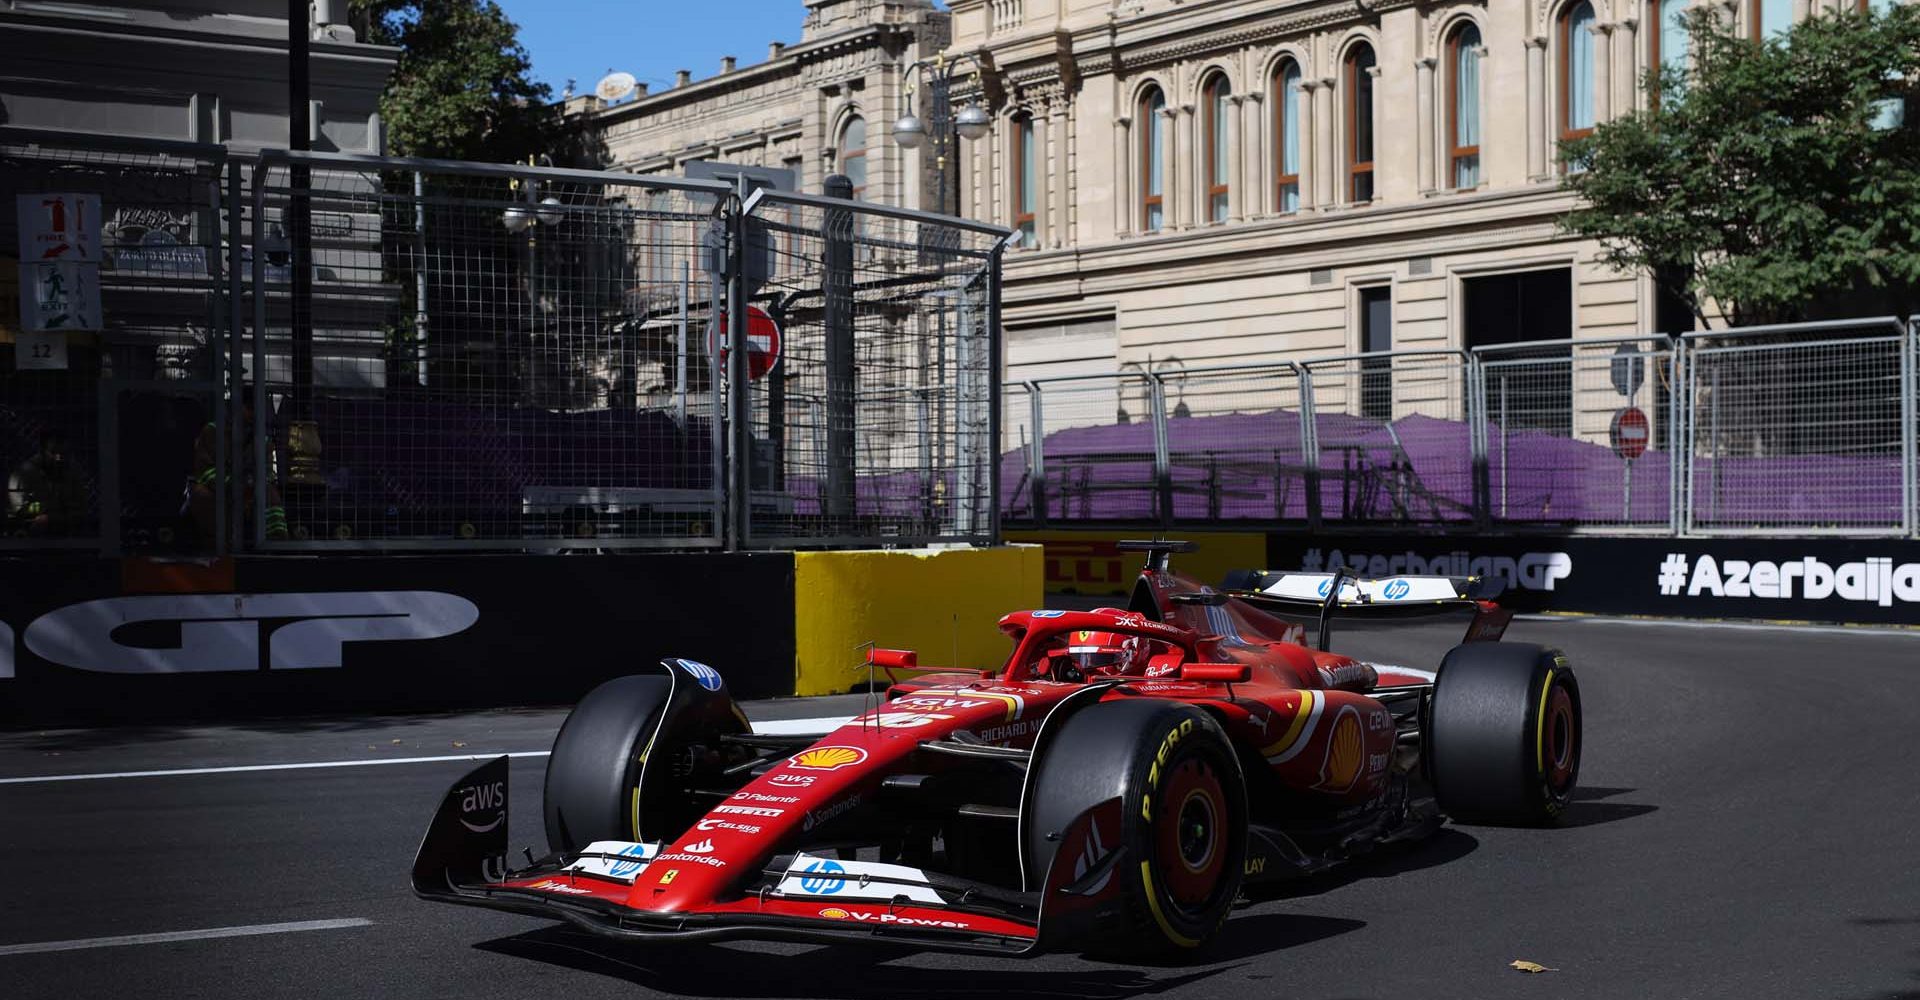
(458, 743)
(1525, 966)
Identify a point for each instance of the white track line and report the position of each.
(1853, 630)
(242, 768)
(171, 936)
(778, 727)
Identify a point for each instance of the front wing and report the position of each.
(462, 860)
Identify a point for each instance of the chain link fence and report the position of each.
(1804, 429)
(113, 300)
(324, 352)
(877, 421)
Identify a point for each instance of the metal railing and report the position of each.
(1807, 428)
(323, 352)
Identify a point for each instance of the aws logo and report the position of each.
(224, 632)
(486, 802)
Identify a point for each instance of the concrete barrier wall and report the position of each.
(943, 603)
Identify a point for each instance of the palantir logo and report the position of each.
(818, 884)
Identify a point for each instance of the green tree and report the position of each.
(1765, 177)
(462, 89)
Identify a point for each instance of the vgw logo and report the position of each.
(222, 632)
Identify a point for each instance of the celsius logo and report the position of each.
(489, 799)
(708, 677)
(1395, 589)
(222, 632)
(1531, 570)
(817, 881)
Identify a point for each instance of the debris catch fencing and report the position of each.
(1802, 429)
(325, 352)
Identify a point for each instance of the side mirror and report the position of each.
(1221, 673)
(904, 659)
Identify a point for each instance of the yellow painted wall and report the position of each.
(930, 600)
(1087, 562)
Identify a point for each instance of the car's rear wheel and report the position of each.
(1503, 737)
(1182, 817)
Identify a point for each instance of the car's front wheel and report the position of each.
(1182, 819)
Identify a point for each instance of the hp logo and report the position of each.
(818, 883)
(1395, 589)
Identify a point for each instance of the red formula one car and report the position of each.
(1111, 788)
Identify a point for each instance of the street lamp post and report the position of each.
(943, 128)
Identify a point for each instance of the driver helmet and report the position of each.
(1096, 652)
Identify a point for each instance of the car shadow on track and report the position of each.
(822, 973)
(1587, 810)
(1446, 845)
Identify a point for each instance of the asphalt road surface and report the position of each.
(1747, 828)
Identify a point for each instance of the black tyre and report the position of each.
(1183, 817)
(594, 773)
(1503, 734)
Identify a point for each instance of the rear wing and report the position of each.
(1337, 595)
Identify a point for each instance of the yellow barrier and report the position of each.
(1090, 562)
(941, 602)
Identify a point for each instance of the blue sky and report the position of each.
(648, 38)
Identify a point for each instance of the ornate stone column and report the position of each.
(1236, 156)
(1431, 115)
(1253, 156)
(1536, 107)
(1626, 78)
(1060, 128)
(1602, 72)
(1170, 168)
(1323, 159)
(1123, 188)
(1183, 189)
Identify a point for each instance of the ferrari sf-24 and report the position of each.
(1112, 788)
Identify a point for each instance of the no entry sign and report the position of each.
(1630, 433)
(763, 342)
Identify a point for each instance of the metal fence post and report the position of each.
(1037, 458)
(996, 398)
(739, 399)
(1162, 468)
(1309, 445)
(258, 431)
(1909, 430)
(1477, 442)
(837, 321)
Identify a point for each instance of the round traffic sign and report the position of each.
(763, 342)
(1630, 433)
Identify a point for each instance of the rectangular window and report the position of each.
(1360, 65)
(1465, 109)
(1527, 388)
(1152, 161)
(1026, 182)
(1218, 109)
(1286, 109)
(1376, 334)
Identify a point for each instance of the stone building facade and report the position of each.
(1220, 181)
(817, 106)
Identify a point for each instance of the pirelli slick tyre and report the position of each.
(595, 767)
(1183, 819)
(1503, 734)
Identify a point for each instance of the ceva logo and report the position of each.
(222, 632)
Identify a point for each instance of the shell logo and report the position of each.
(835, 913)
(828, 758)
(1346, 749)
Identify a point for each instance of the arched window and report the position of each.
(1576, 70)
(853, 155)
(1666, 38)
(1215, 142)
(1026, 180)
(1153, 157)
(1286, 134)
(1767, 18)
(1463, 105)
(1359, 88)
